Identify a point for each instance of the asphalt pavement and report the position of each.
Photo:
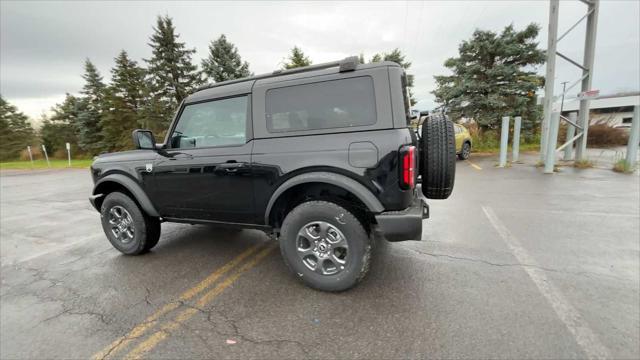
(516, 264)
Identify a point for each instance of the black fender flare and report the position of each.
(359, 190)
(133, 187)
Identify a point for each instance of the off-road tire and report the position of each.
(464, 155)
(146, 228)
(437, 158)
(359, 245)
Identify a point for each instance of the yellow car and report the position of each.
(463, 141)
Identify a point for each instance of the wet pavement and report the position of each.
(516, 264)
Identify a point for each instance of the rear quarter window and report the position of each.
(330, 104)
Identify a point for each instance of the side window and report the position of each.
(212, 123)
(322, 105)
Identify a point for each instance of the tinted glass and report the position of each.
(323, 105)
(213, 123)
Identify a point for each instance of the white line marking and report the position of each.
(573, 213)
(52, 250)
(566, 312)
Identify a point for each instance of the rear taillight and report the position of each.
(408, 167)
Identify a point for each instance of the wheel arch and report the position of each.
(116, 182)
(332, 180)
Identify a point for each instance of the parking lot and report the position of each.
(516, 264)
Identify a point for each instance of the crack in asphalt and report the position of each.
(486, 262)
(236, 330)
(80, 313)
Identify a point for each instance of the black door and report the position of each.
(205, 172)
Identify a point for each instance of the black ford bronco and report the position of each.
(320, 157)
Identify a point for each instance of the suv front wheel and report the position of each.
(128, 229)
(325, 246)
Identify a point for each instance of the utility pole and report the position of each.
(550, 75)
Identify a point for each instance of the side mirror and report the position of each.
(143, 139)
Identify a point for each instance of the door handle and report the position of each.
(231, 167)
(181, 156)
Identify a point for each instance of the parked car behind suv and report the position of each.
(318, 156)
(463, 141)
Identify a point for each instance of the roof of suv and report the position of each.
(243, 85)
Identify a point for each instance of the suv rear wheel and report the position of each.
(465, 152)
(325, 246)
(438, 158)
(128, 229)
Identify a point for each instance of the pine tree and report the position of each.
(91, 110)
(125, 99)
(494, 76)
(172, 75)
(62, 126)
(224, 62)
(376, 58)
(297, 59)
(15, 131)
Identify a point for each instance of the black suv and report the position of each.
(320, 157)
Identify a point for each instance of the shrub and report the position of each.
(601, 134)
(583, 164)
(622, 167)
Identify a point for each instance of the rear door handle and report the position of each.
(231, 167)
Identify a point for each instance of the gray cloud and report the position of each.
(43, 44)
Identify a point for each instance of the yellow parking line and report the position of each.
(474, 165)
(150, 321)
(156, 338)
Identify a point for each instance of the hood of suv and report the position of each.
(132, 155)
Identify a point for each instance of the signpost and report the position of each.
(44, 149)
(30, 155)
(69, 153)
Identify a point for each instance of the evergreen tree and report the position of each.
(493, 76)
(376, 58)
(62, 126)
(172, 75)
(15, 131)
(297, 59)
(91, 111)
(125, 99)
(224, 62)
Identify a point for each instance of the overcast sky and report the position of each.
(43, 44)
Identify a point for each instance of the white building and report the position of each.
(615, 110)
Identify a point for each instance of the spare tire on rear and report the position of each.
(437, 158)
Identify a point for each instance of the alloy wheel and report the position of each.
(322, 248)
(121, 223)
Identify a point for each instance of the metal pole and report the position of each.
(44, 149)
(551, 145)
(504, 141)
(516, 139)
(634, 137)
(550, 74)
(69, 153)
(30, 155)
(571, 132)
(589, 54)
